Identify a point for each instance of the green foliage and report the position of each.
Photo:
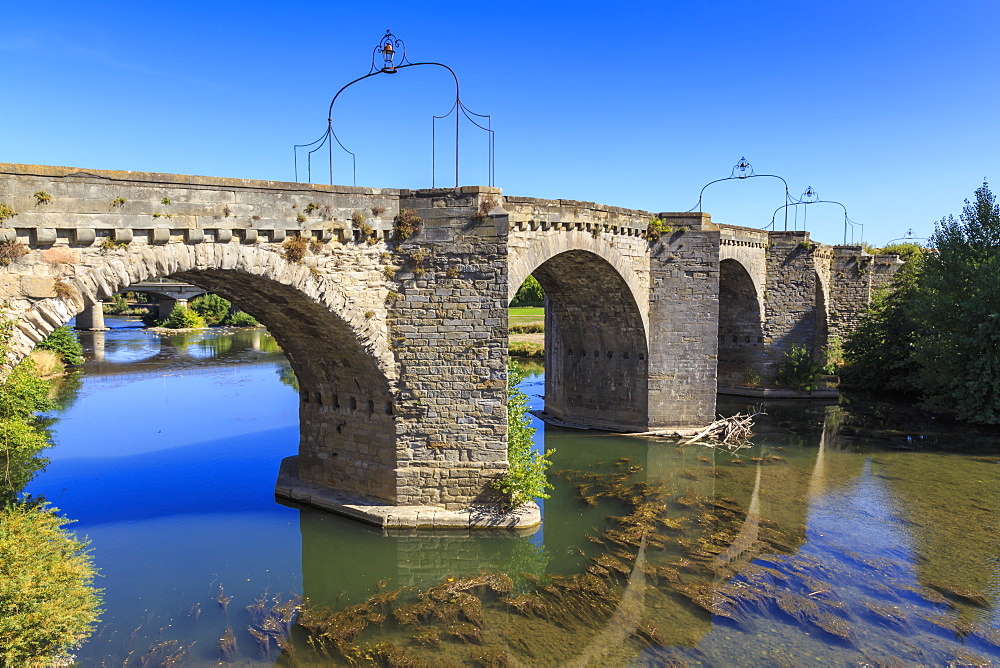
(833, 357)
(119, 202)
(957, 310)
(182, 317)
(937, 332)
(878, 353)
(240, 319)
(48, 604)
(906, 251)
(109, 244)
(22, 434)
(525, 480)
(211, 307)
(529, 294)
(42, 197)
(656, 229)
(6, 212)
(64, 342)
(165, 201)
(799, 371)
(525, 349)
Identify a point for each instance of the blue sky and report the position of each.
(890, 108)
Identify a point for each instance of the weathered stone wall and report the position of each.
(855, 276)
(449, 335)
(400, 347)
(684, 312)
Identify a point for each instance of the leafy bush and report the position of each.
(799, 371)
(48, 604)
(182, 317)
(64, 342)
(240, 319)
(656, 229)
(211, 307)
(529, 294)
(525, 480)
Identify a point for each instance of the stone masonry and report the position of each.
(400, 347)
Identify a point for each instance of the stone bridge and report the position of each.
(400, 346)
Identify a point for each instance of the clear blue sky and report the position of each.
(890, 108)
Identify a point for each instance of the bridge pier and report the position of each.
(91, 319)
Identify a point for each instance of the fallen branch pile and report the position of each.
(733, 432)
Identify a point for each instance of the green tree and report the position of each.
(211, 307)
(529, 294)
(64, 342)
(525, 480)
(878, 354)
(48, 604)
(957, 308)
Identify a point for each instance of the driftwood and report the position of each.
(733, 432)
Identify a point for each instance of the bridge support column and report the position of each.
(683, 324)
(790, 306)
(91, 319)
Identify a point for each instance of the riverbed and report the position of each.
(847, 534)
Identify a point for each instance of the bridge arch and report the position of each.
(346, 372)
(741, 337)
(596, 351)
(540, 248)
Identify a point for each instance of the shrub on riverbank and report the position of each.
(937, 333)
(240, 319)
(48, 604)
(211, 307)
(182, 317)
(64, 342)
(524, 349)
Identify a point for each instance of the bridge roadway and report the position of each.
(400, 345)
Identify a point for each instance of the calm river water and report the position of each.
(850, 535)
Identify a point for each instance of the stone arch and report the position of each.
(596, 361)
(347, 374)
(741, 337)
(543, 246)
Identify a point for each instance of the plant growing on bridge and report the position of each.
(295, 248)
(109, 244)
(11, 251)
(656, 229)
(310, 207)
(378, 210)
(419, 257)
(406, 224)
(119, 202)
(485, 206)
(165, 201)
(6, 212)
(42, 197)
(525, 480)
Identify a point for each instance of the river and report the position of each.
(858, 534)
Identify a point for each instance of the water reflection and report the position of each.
(821, 544)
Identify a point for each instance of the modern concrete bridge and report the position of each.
(167, 294)
(400, 346)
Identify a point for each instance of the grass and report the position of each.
(526, 315)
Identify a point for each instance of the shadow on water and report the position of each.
(829, 541)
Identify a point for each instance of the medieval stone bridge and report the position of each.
(400, 347)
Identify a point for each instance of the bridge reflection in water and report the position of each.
(175, 515)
